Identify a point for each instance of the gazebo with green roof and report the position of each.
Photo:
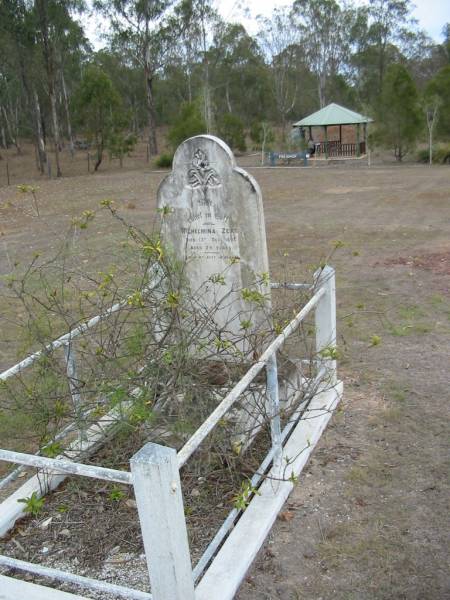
(335, 115)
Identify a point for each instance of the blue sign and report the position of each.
(274, 156)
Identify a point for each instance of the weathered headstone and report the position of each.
(213, 222)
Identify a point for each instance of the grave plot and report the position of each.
(210, 388)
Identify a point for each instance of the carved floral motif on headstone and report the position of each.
(201, 174)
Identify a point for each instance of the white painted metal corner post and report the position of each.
(274, 403)
(157, 488)
(71, 371)
(325, 318)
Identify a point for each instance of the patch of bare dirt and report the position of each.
(437, 262)
(349, 190)
(434, 195)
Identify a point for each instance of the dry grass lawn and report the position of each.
(369, 517)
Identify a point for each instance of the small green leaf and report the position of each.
(375, 340)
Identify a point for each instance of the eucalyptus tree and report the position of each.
(384, 33)
(99, 110)
(278, 39)
(399, 118)
(140, 30)
(431, 104)
(38, 37)
(72, 48)
(127, 79)
(390, 21)
(207, 17)
(446, 44)
(187, 50)
(438, 90)
(20, 76)
(324, 34)
(240, 76)
(11, 103)
(53, 18)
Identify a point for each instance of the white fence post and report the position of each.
(274, 404)
(74, 387)
(157, 488)
(325, 318)
(71, 371)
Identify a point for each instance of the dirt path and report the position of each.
(369, 517)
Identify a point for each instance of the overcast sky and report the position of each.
(431, 14)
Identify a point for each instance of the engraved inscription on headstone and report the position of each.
(213, 221)
(208, 236)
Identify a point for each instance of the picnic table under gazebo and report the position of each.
(326, 131)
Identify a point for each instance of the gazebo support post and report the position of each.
(366, 141)
(358, 143)
(326, 141)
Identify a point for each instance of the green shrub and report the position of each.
(441, 155)
(262, 134)
(164, 161)
(423, 155)
(121, 144)
(188, 123)
(399, 118)
(231, 130)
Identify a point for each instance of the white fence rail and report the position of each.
(155, 470)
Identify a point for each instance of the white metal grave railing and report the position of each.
(66, 343)
(155, 469)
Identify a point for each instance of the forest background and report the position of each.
(182, 65)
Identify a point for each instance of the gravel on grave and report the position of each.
(91, 528)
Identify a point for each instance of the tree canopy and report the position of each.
(399, 114)
(162, 56)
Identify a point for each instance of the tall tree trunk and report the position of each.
(4, 142)
(151, 111)
(430, 146)
(32, 101)
(13, 139)
(15, 113)
(66, 106)
(207, 90)
(99, 144)
(42, 154)
(227, 96)
(283, 127)
(431, 116)
(321, 89)
(207, 99)
(69, 122)
(381, 64)
(49, 60)
(265, 129)
(55, 123)
(135, 117)
(189, 78)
